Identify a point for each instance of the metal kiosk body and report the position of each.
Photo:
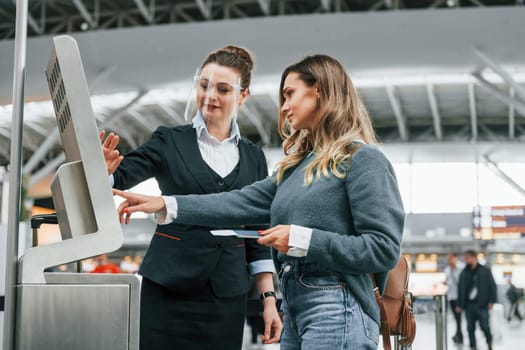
(64, 311)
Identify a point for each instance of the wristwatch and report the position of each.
(268, 294)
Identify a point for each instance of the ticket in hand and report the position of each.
(238, 233)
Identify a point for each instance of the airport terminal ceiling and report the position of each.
(443, 80)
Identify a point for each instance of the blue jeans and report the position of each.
(475, 313)
(321, 313)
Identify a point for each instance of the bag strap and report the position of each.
(384, 328)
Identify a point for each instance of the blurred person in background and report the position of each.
(195, 285)
(477, 295)
(103, 265)
(129, 265)
(514, 296)
(452, 273)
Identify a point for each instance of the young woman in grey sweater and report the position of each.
(333, 204)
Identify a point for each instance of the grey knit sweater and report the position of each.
(357, 221)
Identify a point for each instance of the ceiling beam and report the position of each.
(34, 25)
(172, 113)
(376, 5)
(119, 113)
(396, 108)
(490, 134)
(237, 10)
(180, 11)
(437, 3)
(512, 116)
(491, 165)
(326, 5)
(204, 8)
(477, 3)
(436, 117)
(496, 92)
(5, 133)
(141, 120)
(107, 22)
(338, 5)
(520, 90)
(282, 7)
(85, 13)
(102, 74)
(49, 142)
(5, 151)
(57, 28)
(37, 128)
(473, 111)
(148, 16)
(265, 6)
(380, 3)
(131, 19)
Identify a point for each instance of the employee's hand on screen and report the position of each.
(109, 149)
(135, 202)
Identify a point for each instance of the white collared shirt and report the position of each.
(221, 156)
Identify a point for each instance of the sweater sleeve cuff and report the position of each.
(166, 217)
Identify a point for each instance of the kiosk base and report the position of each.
(79, 311)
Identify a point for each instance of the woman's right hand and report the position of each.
(109, 149)
(135, 202)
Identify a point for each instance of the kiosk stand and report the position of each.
(76, 310)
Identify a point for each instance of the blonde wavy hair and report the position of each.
(340, 119)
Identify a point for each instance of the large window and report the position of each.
(458, 187)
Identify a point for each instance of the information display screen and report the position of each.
(498, 222)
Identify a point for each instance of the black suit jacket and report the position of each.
(481, 278)
(180, 257)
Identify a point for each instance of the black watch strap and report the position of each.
(268, 294)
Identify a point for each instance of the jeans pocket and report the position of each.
(370, 326)
(326, 282)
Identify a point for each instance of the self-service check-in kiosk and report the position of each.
(78, 311)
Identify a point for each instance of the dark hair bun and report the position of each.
(242, 53)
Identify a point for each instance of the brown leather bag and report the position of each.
(395, 305)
